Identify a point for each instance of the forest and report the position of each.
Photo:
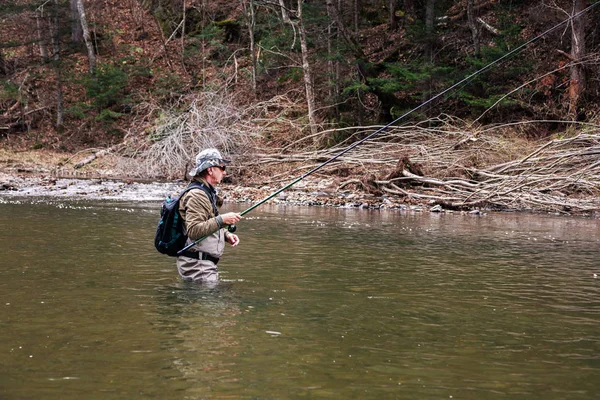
(282, 85)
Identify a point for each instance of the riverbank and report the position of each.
(41, 174)
(310, 192)
(50, 174)
(45, 174)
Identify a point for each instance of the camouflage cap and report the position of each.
(208, 158)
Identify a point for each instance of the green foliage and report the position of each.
(107, 87)
(78, 110)
(417, 32)
(132, 68)
(167, 84)
(211, 39)
(279, 39)
(387, 85)
(108, 115)
(414, 80)
(354, 87)
(211, 34)
(315, 13)
(8, 90)
(484, 90)
(482, 103)
(10, 7)
(400, 77)
(293, 74)
(397, 112)
(511, 31)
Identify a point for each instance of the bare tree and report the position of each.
(41, 36)
(337, 62)
(356, 19)
(249, 11)
(393, 20)
(578, 49)
(475, 31)
(86, 36)
(334, 14)
(2, 64)
(333, 49)
(54, 25)
(429, 26)
(76, 30)
(298, 23)
(330, 68)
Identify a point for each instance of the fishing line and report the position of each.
(232, 228)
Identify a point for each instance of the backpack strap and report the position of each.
(210, 193)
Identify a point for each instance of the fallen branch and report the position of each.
(560, 175)
(488, 27)
(94, 156)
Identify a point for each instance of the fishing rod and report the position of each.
(232, 228)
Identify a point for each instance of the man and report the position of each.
(198, 208)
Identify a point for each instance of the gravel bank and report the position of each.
(309, 192)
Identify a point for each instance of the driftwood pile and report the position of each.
(464, 169)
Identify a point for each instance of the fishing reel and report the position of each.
(232, 228)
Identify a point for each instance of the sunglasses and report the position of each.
(221, 167)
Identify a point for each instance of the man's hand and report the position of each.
(231, 218)
(232, 239)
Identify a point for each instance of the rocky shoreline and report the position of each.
(309, 192)
(45, 174)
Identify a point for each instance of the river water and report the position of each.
(315, 303)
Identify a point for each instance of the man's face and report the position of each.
(216, 174)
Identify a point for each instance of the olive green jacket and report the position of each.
(199, 220)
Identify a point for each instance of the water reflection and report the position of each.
(196, 322)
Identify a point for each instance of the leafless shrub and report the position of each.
(172, 137)
(209, 119)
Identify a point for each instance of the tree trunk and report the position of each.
(333, 63)
(308, 79)
(41, 36)
(183, 22)
(393, 20)
(337, 65)
(577, 82)
(330, 60)
(356, 12)
(86, 36)
(359, 75)
(54, 23)
(351, 40)
(284, 12)
(475, 31)
(253, 46)
(76, 30)
(334, 13)
(248, 6)
(3, 71)
(429, 15)
(429, 26)
(298, 23)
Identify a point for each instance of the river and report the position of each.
(315, 303)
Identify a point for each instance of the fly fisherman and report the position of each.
(201, 218)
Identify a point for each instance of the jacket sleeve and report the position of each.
(197, 213)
